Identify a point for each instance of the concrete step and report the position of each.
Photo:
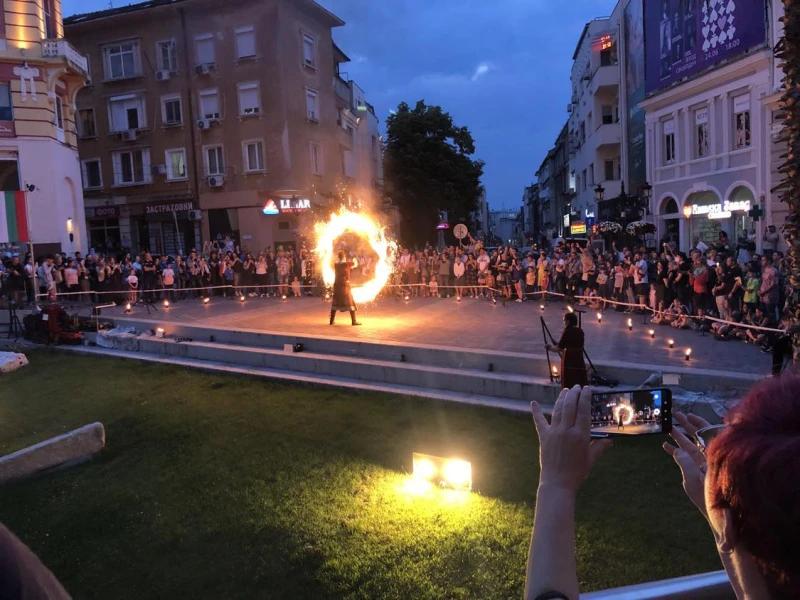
(313, 379)
(528, 365)
(508, 386)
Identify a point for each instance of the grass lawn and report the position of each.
(228, 487)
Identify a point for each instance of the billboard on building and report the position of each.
(685, 37)
(635, 86)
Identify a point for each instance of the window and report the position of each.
(50, 31)
(131, 167)
(309, 51)
(58, 119)
(176, 163)
(86, 124)
(122, 60)
(312, 105)
(591, 174)
(608, 168)
(578, 181)
(249, 99)
(245, 42)
(126, 112)
(253, 156)
(209, 104)
(316, 158)
(605, 58)
(741, 111)
(583, 132)
(583, 179)
(214, 160)
(669, 141)
(92, 173)
(6, 113)
(204, 49)
(171, 110)
(167, 56)
(701, 128)
(283, 225)
(608, 114)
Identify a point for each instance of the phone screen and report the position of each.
(632, 412)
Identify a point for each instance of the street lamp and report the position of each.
(598, 192)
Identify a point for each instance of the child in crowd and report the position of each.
(593, 301)
(701, 323)
(602, 285)
(296, 291)
(168, 278)
(761, 319)
(133, 286)
(530, 282)
(619, 283)
(433, 286)
(490, 285)
(681, 321)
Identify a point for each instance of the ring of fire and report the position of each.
(627, 418)
(328, 232)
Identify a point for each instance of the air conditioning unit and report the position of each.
(159, 169)
(216, 181)
(195, 215)
(162, 75)
(204, 69)
(129, 135)
(252, 111)
(204, 123)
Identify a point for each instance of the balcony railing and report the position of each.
(342, 89)
(55, 48)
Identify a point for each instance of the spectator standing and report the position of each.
(770, 240)
(459, 270)
(768, 293)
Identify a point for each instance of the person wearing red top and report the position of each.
(699, 279)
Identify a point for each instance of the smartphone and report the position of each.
(631, 412)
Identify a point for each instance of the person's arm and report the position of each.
(566, 456)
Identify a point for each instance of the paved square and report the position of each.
(471, 323)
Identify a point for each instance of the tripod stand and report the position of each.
(14, 325)
(143, 300)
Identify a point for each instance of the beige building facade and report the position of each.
(40, 76)
(206, 121)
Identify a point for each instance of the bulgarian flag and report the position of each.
(13, 218)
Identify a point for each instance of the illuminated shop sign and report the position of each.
(578, 227)
(286, 205)
(717, 211)
(605, 42)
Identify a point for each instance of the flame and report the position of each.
(328, 233)
(627, 418)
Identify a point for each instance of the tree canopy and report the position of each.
(428, 167)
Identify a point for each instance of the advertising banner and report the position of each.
(635, 86)
(684, 37)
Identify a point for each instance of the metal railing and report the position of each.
(53, 48)
(705, 586)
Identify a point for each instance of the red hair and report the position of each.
(754, 471)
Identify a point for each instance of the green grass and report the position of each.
(229, 487)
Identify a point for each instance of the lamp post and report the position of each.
(599, 192)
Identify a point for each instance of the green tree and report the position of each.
(788, 50)
(427, 168)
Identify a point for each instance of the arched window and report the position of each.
(671, 207)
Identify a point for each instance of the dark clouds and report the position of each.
(499, 67)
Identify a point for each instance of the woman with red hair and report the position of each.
(744, 477)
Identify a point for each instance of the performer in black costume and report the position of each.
(342, 295)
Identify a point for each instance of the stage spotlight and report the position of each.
(599, 317)
(160, 332)
(283, 297)
(241, 298)
(652, 333)
(447, 472)
(541, 307)
(128, 308)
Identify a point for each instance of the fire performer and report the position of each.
(342, 294)
(570, 347)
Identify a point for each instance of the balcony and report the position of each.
(342, 89)
(62, 48)
(605, 79)
(606, 136)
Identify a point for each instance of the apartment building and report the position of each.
(595, 131)
(40, 76)
(712, 126)
(207, 120)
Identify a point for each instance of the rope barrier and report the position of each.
(483, 288)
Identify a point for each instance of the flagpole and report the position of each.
(30, 245)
